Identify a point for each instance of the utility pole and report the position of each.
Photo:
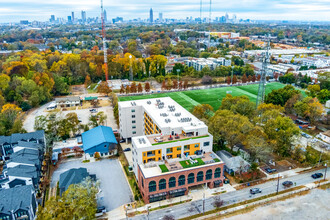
(210, 26)
(148, 212)
(104, 44)
(278, 183)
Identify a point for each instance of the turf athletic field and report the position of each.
(188, 99)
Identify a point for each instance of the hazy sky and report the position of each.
(15, 10)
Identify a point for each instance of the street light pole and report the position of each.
(325, 173)
(278, 183)
(130, 68)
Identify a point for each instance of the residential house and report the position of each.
(68, 101)
(233, 164)
(73, 176)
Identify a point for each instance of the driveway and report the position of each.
(114, 187)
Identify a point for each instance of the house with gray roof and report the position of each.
(7, 143)
(18, 203)
(233, 164)
(68, 101)
(73, 176)
(26, 175)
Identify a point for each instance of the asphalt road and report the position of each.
(196, 207)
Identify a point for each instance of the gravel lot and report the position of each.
(83, 114)
(115, 189)
(314, 205)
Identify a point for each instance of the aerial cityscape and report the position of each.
(164, 110)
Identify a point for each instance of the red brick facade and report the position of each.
(143, 182)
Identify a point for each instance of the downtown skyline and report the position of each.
(17, 10)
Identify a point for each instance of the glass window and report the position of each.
(172, 182)
(133, 116)
(217, 173)
(133, 110)
(208, 175)
(133, 122)
(191, 178)
(178, 148)
(162, 184)
(134, 132)
(152, 186)
(206, 144)
(200, 176)
(182, 180)
(196, 145)
(133, 126)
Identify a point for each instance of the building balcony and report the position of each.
(165, 139)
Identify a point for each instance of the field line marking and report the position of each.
(187, 98)
(246, 93)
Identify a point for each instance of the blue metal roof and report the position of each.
(97, 136)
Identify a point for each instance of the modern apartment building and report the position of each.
(171, 148)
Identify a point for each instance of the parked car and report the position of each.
(93, 110)
(100, 211)
(270, 170)
(122, 141)
(127, 149)
(317, 175)
(255, 190)
(287, 183)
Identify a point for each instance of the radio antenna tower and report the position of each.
(262, 82)
(210, 17)
(104, 44)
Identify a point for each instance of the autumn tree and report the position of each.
(313, 90)
(104, 88)
(169, 84)
(180, 85)
(228, 80)
(309, 108)
(122, 89)
(258, 77)
(147, 87)
(238, 104)
(234, 79)
(88, 81)
(98, 119)
(253, 78)
(203, 111)
(133, 88)
(244, 79)
(139, 88)
(163, 85)
(127, 89)
(185, 84)
(8, 116)
(175, 84)
(249, 78)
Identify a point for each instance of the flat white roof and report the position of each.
(170, 115)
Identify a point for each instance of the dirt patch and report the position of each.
(78, 89)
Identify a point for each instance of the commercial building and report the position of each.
(67, 101)
(100, 139)
(151, 16)
(171, 148)
(199, 63)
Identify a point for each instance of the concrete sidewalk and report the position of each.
(193, 195)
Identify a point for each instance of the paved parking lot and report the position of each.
(115, 190)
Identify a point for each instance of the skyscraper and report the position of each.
(83, 16)
(52, 18)
(69, 19)
(151, 18)
(160, 17)
(105, 16)
(72, 16)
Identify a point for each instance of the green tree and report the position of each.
(313, 90)
(309, 108)
(77, 202)
(281, 96)
(203, 111)
(323, 95)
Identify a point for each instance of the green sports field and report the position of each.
(188, 99)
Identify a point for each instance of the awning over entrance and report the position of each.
(217, 182)
(177, 191)
(158, 195)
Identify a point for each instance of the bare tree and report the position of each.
(218, 202)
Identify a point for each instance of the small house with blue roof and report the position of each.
(99, 139)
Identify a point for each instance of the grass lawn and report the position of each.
(187, 164)
(188, 99)
(163, 167)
